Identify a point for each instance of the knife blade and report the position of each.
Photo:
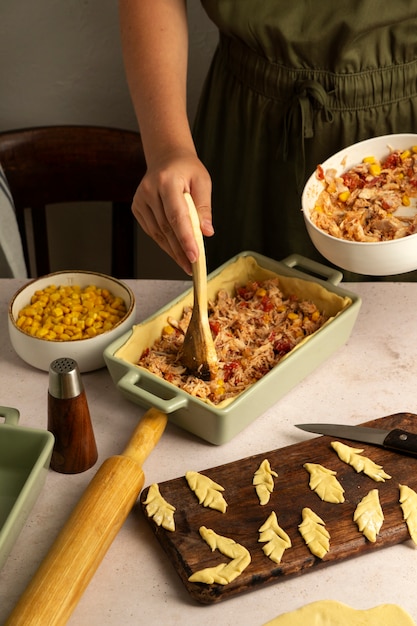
(397, 440)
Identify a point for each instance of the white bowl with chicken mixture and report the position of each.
(350, 206)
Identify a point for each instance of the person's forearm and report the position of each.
(154, 37)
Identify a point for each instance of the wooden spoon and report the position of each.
(198, 353)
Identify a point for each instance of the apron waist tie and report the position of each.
(309, 98)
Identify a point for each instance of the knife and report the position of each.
(396, 439)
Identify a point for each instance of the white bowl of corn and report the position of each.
(74, 314)
(360, 206)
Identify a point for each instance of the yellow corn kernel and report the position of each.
(281, 308)
(315, 316)
(344, 195)
(31, 311)
(369, 159)
(167, 330)
(88, 304)
(292, 316)
(405, 154)
(414, 149)
(118, 303)
(261, 292)
(406, 200)
(20, 321)
(318, 208)
(89, 321)
(375, 169)
(220, 390)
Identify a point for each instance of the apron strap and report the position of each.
(308, 99)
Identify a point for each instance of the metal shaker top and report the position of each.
(64, 378)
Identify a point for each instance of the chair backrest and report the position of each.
(57, 164)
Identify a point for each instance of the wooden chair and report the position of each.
(57, 164)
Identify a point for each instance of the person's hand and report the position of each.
(161, 210)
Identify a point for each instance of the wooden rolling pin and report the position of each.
(64, 574)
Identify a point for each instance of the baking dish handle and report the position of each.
(332, 275)
(11, 416)
(129, 384)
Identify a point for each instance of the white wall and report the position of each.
(61, 63)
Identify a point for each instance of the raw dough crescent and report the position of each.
(353, 457)
(224, 573)
(332, 613)
(408, 503)
(324, 482)
(161, 511)
(207, 491)
(264, 482)
(314, 533)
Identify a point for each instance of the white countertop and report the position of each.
(373, 375)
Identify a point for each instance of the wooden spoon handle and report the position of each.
(64, 574)
(199, 267)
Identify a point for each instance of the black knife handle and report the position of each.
(402, 441)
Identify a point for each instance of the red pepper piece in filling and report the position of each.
(282, 346)
(392, 161)
(352, 181)
(266, 304)
(376, 181)
(214, 327)
(230, 369)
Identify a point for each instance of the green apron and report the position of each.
(290, 84)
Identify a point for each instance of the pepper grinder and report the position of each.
(75, 449)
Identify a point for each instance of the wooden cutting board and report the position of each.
(188, 552)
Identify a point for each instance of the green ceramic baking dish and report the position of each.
(25, 455)
(218, 424)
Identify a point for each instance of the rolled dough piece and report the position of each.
(332, 613)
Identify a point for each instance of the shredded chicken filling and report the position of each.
(365, 202)
(252, 331)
